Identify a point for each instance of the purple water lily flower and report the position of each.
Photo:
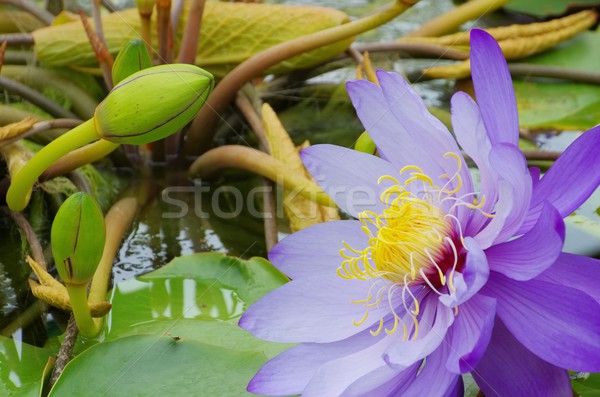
(436, 278)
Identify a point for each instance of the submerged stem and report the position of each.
(19, 191)
(213, 162)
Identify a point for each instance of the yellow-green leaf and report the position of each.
(231, 33)
(300, 211)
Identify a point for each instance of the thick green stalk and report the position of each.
(19, 191)
(202, 129)
(88, 326)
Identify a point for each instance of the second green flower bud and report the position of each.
(77, 237)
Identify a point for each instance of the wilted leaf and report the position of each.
(231, 33)
(14, 129)
(301, 212)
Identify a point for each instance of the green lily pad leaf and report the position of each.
(158, 366)
(588, 385)
(21, 368)
(577, 53)
(186, 313)
(561, 106)
(544, 8)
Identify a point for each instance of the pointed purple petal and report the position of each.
(470, 333)
(316, 249)
(433, 326)
(513, 203)
(509, 369)
(493, 89)
(411, 112)
(575, 271)
(393, 141)
(572, 178)
(471, 278)
(349, 177)
(473, 138)
(557, 323)
(289, 372)
(382, 382)
(335, 376)
(311, 309)
(434, 379)
(522, 259)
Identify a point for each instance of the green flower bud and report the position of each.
(132, 58)
(152, 104)
(77, 236)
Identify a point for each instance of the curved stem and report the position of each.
(88, 326)
(82, 156)
(19, 191)
(35, 97)
(202, 129)
(213, 162)
(451, 20)
(118, 220)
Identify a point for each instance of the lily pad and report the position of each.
(562, 105)
(545, 8)
(158, 366)
(22, 367)
(186, 313)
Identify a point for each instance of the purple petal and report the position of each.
(316, 249)
(335, 376)
(382, 382)
(289, 372)
(472, 137)
(509, 369)
(513, 201)
(311, 309)
(434, 379)
(493, 89)
(522, 259)
(572, 178)
(557, 323)
(433, 326)
(458, 390)
(349, 177)
(471, 278)
(392, 139)
(575, 271)
(412, 114)
(470, 333)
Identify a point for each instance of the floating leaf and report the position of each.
(158, 366)
(563, 106)
(546, 7)
(185, 313)
(588, 385)
(22, 367)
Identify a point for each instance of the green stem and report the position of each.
(19, 191)
(88, 326)
(202, 129)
